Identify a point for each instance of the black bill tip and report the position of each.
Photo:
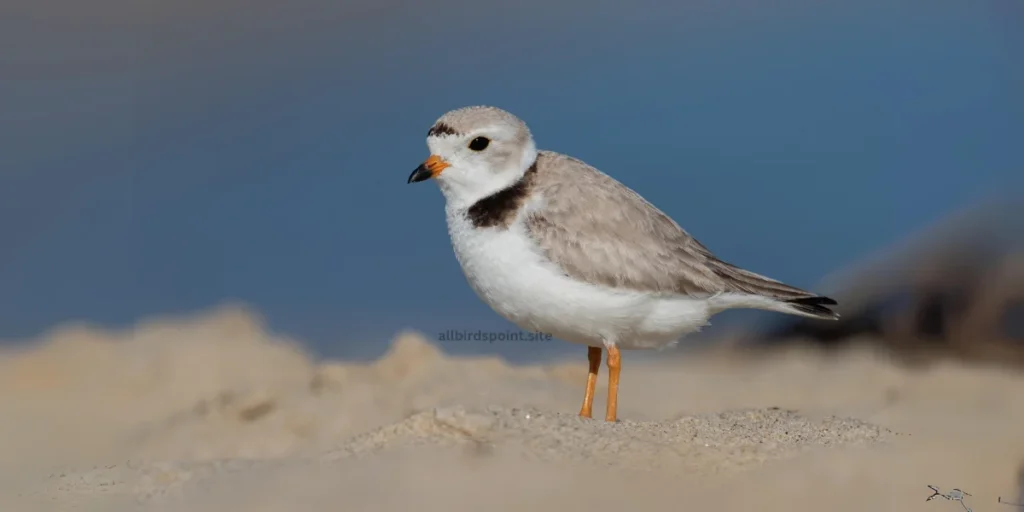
(420, 174)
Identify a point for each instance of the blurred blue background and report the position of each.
(163, 157)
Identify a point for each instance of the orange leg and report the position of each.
(614, 365)
(594, 355)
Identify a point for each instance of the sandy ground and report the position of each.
(214, 413)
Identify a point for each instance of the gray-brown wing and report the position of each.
(598, 230)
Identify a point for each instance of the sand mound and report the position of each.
(214, 412)
(220, 385)
(692, 446)
(736, 438)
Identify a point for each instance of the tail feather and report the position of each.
(747, 289)
(814, 306)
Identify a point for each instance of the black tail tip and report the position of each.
(815, 306)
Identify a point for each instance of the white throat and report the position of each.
(465, 186)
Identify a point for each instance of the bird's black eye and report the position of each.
(479, 143)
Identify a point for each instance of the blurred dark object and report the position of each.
(957, 291)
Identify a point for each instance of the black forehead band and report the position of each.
(441, 129)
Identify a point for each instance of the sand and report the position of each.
(214, 412)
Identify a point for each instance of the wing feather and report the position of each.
(597, 229)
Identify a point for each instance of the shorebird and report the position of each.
(555, 245)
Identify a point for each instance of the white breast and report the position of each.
(508, 272)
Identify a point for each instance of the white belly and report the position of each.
(507, 271)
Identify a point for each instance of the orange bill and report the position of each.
(428, 169)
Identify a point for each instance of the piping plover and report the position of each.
(554, 245)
